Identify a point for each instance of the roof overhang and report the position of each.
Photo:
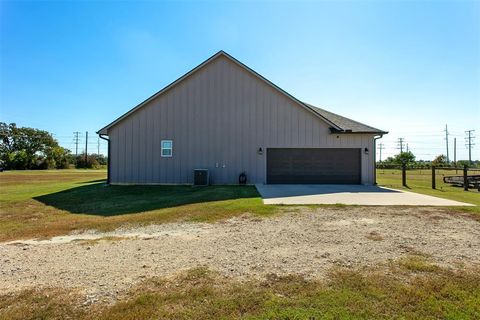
(335, 131)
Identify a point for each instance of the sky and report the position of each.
(407, 67)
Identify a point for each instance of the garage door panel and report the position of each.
(313, 165)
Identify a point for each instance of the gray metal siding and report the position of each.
(220, 114)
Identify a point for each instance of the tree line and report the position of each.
(409, 159)
(23, 148)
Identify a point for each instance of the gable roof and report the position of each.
(347, 125)
(322, 114)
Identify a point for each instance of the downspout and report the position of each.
(374, 157)
(108, 156)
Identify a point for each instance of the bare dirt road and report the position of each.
(307, 242)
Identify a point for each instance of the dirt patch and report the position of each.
(306, 243)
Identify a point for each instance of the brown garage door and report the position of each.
(313, 165)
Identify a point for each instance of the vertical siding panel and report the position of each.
(116, 152)
(117, 143)
(243, 120)
(305, 130)
(214, 152)
(193, 137)
(221, 111)
(281, 121)
(231, 79)
(113, 156)
(187, 111)
(259, 129)
(238, 119)
(122, 143)
(170, 133)
(163, 133)
(157, 118)
(181, 122)
(308, 131)
(251, 133)
(143, 142)
(275, 117)
(204, 89)
(135, 141)
(128, 151)
(222, 125)
(294, 122)
(227, 130)
(136, 147)
(149, 145)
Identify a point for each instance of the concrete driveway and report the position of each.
(347, 194)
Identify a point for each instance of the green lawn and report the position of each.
(48, 203)
(36, 204)
(421, 181)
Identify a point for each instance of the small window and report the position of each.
(167, 148)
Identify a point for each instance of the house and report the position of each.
(225, 117)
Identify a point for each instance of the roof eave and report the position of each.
(357, 132)
(102, 131)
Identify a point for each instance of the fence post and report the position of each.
(404, 175)
(465, 178)
(433, 177)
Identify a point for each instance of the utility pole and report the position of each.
(86, 146)
(98, 145)
(407, 148)
(380, 148)
(75, 138)
(401, 141)
(455, 151)
(446, 139)
(469, 139)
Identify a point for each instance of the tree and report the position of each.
(94, 161)
(30, 148)
(440, 160)
(407, 158)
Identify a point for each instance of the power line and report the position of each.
(446, 139)
(86, 145)
(455, 151)
(76, 133)
(380, 148)
(400, 143)
(469, 144)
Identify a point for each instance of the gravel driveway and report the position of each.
(306, 241)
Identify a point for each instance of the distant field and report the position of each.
(421, 181)
(48, 203)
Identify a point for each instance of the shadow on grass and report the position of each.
(101, 200)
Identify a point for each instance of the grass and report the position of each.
(404, 291)
(420, 181)
(38, 204)
(417, 263)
